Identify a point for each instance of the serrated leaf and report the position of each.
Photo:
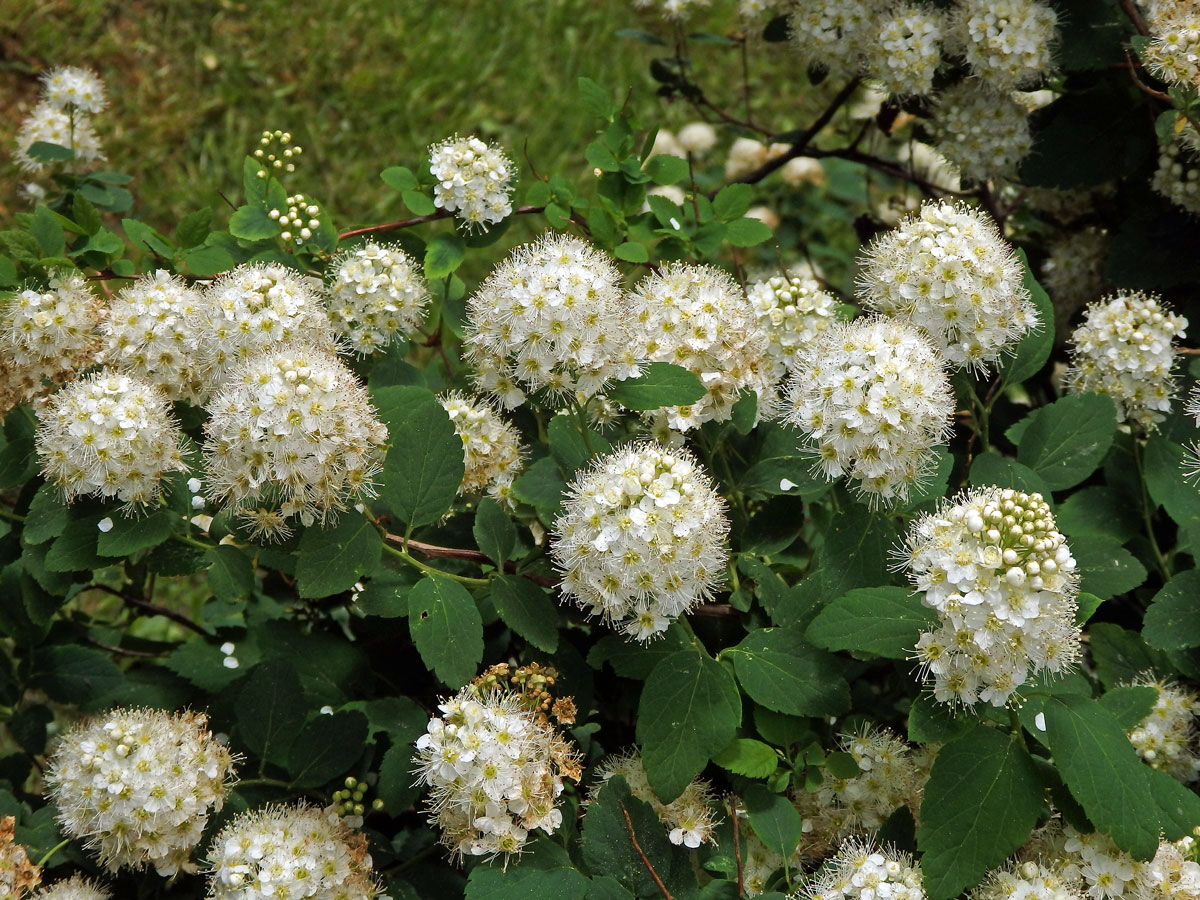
(128, 536)
(494, 531)
(270, 710)
(194, 228)
(568, 446)
(527, 609)
(732, 201)
(860, 535)
(144, 237)
(607, 847)
(774, 819)
(331, 560)
(48, 232)
(71, 674)
(447, 629)
(994, 468)
(396, 787)
(75, 549)
(1034, 348)
(230, 573)
(596, 99)
(1173, 620)
(47, 516)
(1120, 655)
(251, 223)
(1130, 704)
(930, 722)
(542, 487)
(784, 673)
(1066, 440)
(661, 384)
(750, 758)
(204, 262)
(666, 169)
(443, 254)
(399, 178)
(747, 232)
(327, 747)
(526, 883)
(632, 660)
(424, 465)
(1106, 568)
(1178, 807)
(886, 621)
(386, 593)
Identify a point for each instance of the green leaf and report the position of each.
(601, 157)
(204, 262)
(8, 272)
(1130, 704)
(1164, 468)
(930, 722)
(494, 531)
(542, 487)
(860, 535)
(774, 819)
(689, 710)
(1106, 568)
(527, 609)
(47, 516)
(45, 152)
(230, 573)
(632, 251)
(747, 232)
(526, 883)
(194, 228)
(782, 672)
(732, 201)
(1178, 807)
(640, 35)
(144, 237)
(1066, 440)
(886, 621)
(980, 804)
(327, 747)
(567, 445)
(420, 203)
(747, 757)
(270, 710)
(71, 674)
(129, 536)
(103, 242)
(1034, 348)
(48, 232)
(251, 223)
(386, 593)
(331, 560)
(443, 254)
(661, 384)
(1103, 772)
(1172, 622)
(75, 549)
(1120, 655)
(607, 847)
(994, 468)
(255, 188)
(447, 629)
(596, 100)
(399, 178)
(1087, 606)
(632, 660)
(666, 169)
(424, 465)
(1094, 511)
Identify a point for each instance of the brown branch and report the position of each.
(1145, 88)
(887, 167)
(1135, 17)
(662, 888)
(717, 610)
(151, 608)
(434, 551)
(124, 651)
(421, 220)
(737, 849)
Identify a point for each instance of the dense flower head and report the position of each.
(1109, 873)
(72, 86)
(1173, 52)
(907, 49)
(550, 317)
(1125, 348)
(1007, 43)
(252, 309)
(475, 180)
(18, 874)
(1173, 873)
(642, 538)
(689, 819)
(1029, 880)
(138, 785)
(1178, 174)
(747, 154)
(491, 446)
(1073, 272)
(835, 35)
(46, 336)
(982, 131)
(377, 293)
(801, 171)
(290, 851)
(110, 435)
(1167, 738)
(495, 766)
(698, 317)
(948, 270)
(150, 333)
(792, 311)
(872, 399)
(292, 435)
(74, 888)
(697, 137)
(862, 871)
(53, 125)
(1003, 583)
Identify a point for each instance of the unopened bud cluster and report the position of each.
(862, 871)
(475, 180)
(276, 153)
(792, 311)
(350, 802)
(298, 221)
(689, 818)
(377, 294)
(491, 446)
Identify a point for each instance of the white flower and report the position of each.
(907, 49)
(491, 446)
(1173, 53)
(1073, 273)
(376, 294)
(1003, 583)
(792, 311)
(697, 138)
(1007, 43)
(835, 36)
(50, 124)
(641, 539)
(1178, 174)
(139, 786)
(982, 131)
(1124, 347)
(948, 270)
(872, 399)
(1027, 880)
(689, 819)
(1167, 738)
(802, 170)
(475, 180)
(72, 86)
(74, 888)
(747, 154)
(861, 871)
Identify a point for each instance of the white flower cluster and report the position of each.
(862, 871)
(698, 317)
(74, 888)
(252, 309)
(491, 446)
(495, 771)
(550, 317)
(71, 86)
(1110, 873)
(1007, 43)
(290, 852)
(1028, 880)
(747, 154)
(1073, 273)
(475, 180)
(1178, 174)
(792, 311)
(1167, 738)
(672, 10)
(759, 861)
(801, 171)
(697, 138)
(18, 875)
(377, 293)
(1173, 53)
(689, 818)
(292, 435)
(139, 786)
(835, 35)
(984, 132)
(1125, 348)
(150, 333)
(907, 49)
(109, 435)
(61, 117)
(1003, 583)
(45, 336)
(949, 271)
(872, 399)
(641, 539)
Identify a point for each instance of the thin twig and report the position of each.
(1135, 17)
(421, 220)
(662, 888)
(432, 551)
(1145, 88)
(151, 608)
(737, 848)
(124, 651)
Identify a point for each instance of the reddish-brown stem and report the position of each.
(421, 220)
(433, 551)
(151, 609)
(737, 848)
(124, 651)
(662, 888)
(1139, 22)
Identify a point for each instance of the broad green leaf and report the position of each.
(784, 673)
(202, 663)
(596, 100)
(542, 487)
(72, 674)
(1130, 704)
(230, 573)
(607, 848)
(48, 232)
(47, 516)
(747, 232)
(860, 535)
(204, 262)
(527, 609)
(396, 787)
(661, 384)
(886, 621)
(774, 819)
(419, 202)
(44, 152)
(1106, 568)
(327, 747)
(1066, 440)
(1094, 511)
(129, 536)
(1178, 806)
(424, 465)
(494, 531)
(732, 201)
(75, 549)
(331, 560)
(666, 169)
(1120, 655)
(689, 710)
(447, 629)
(194, 228)
(385, 593)
(1173, 620)
(270, 710)
(747, 757)
(930, 722)
(994, 468)
(1034, 348)
(568, 446)
(144, 238)
(399, 178)
(251, 223)
(632, 251)
(980, 804)
(525, 883)
(443, 254)
(632, 660)
(1164, 467)
(1087, 606)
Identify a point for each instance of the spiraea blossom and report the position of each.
(1007, 43)
(54, 125)
(792, 311)
(150, 333)
(475, 180)
(1073, 273)
(1109, 873)
(642, 538)
(862, 871)
(18, 875)
(801, 171)
(872, 399)
(139, 785)
(253, 309)
(673, 10)
(550, 317)
(1178, 174)
(949, 271)
(292, 435)
(1003, 583)
(45, 336)
(1173, 53)
(495, 767)
(376, 294)
(835, 36)
(689, 819)
(1029, 880)
(982, 131)
(747, 154)
(1125, 348)
(491, 446)
(697, 138)
(1173, 874)
(74, 888)
(293, 852)
(698, 317)
(75, 87)
(1167, 738)
(109, 435)
(907, 49)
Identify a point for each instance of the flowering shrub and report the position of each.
(747, 520)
